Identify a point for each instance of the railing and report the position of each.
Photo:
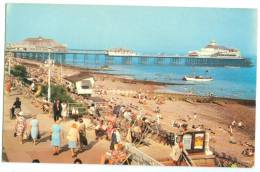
(78, 108)
(140, 158)
(187, 159)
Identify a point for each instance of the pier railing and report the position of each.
(100, 57)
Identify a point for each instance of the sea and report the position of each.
(228, 82)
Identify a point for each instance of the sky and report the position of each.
(142, 29)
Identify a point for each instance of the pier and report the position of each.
(101, 57)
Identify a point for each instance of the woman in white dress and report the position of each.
(64, 111)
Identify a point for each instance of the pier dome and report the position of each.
(38, 44)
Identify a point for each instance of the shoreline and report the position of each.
(155, 84)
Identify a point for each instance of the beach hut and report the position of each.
(81, 83)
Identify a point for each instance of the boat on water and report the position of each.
(216, 51)
(197, 78)
(105, 67)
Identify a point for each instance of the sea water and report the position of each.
(230, 82)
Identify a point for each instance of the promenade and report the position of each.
(26, 152)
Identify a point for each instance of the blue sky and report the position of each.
(143, 29)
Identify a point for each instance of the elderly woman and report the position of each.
(20, 126)
(73, 139)
(34, 128)
(56, 134)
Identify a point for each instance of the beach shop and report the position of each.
(81, 83)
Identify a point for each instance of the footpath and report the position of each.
(16, 152)
(26, 152)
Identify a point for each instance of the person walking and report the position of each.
(20, 126)
(57, 110)
(64, 111)
(8, 86)
(56, 135)
(73, 139)
(82, 134)
(101, 130)
(34, 129)
(113, 139)
(16, 108)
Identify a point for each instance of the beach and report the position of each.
(213, 113)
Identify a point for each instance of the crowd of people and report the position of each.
(27, 127)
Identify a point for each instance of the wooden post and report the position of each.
(74, 58)
(85, 58)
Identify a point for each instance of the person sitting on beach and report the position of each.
(117, 156)
(136, 134)
(100, 130)
(240, 124)
(232, 139)
(38, 90)
(233, 124)
(46, 105)
(116, 110)
(157, 110)
(111, 119)
(92, 109)
(160, 101)
(127, 115)
(122, 110)
(33, 87)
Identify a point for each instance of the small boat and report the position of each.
(105, 67)
(197, 78)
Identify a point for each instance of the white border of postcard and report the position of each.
(19, 167)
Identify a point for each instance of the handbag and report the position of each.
(38, 136)
(25, 135)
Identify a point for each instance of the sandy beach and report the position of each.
(215, 114)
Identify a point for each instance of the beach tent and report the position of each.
(81, 83)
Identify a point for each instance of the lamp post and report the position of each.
(49, 76)
(61, 69)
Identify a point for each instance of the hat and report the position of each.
(20, 113)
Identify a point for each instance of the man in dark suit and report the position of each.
(57, 110)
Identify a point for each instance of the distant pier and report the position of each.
(101, 57)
